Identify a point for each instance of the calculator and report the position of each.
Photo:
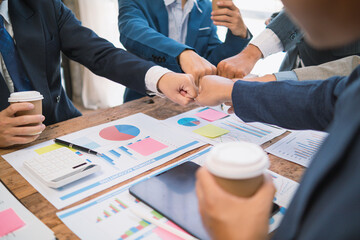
(59, 167)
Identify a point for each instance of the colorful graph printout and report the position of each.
(119, 132)
(299, 146)
(189, 122)
(147, 146)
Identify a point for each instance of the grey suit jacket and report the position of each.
(341, 67)
(292, 39)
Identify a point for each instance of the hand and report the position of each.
(12, 129)
(226, 216)
(265, 78)
(192, 63)
(229, 16)
(179, 88)
(214, 90)
(241, 64)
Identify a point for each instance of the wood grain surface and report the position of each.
(155, 107)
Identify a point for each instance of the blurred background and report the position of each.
(89, 91)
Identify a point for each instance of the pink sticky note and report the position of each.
(9, 222)
(211, 115)
(147, 146)
(164, 234)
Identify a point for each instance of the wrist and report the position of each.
(253, 53)
(227, 92)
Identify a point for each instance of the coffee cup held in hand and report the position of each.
(33, 97)
(238, 167)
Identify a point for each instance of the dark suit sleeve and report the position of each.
(288, 33)
(100, 56)
(290, 104)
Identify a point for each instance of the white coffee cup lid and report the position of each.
(237, 160)
(25, 96)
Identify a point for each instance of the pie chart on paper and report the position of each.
(189, 122)
(119, 132)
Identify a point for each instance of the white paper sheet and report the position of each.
(299, 146)
(33, 229)
(255, 132)
(90, 221)
(97, 219)
(125, 162)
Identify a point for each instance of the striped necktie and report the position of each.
(12, 60)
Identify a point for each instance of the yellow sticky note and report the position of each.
(211, 131)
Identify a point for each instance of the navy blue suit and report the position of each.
(292, 39)
(42, 29)
(327, 203)
(144, 30)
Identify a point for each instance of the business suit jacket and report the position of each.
(326, 205)
(292, 39)
(340, 67)
(144, 28)
(42, 29)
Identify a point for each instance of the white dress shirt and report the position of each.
(152, 76)
(178, 27)
(268, 43)
(179, 18)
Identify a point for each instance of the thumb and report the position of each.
(189, 87)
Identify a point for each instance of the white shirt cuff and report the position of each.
(268, 43)
(152, 78)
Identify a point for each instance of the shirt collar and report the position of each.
(4, 10)
(169, 2)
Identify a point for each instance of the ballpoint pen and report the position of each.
(77, 147)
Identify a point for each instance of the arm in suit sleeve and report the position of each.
(290, 104)
(288, 33)
(341, 67)
(139, 38)
(100, 56)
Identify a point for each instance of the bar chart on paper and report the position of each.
(215, 126)
(110, 217)
(128, 147)
(299, 146)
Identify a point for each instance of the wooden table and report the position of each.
(154, 107)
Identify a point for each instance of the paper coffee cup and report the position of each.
(33, 97)
(214, 4)
(238, 167)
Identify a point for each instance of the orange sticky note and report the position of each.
(9, 222)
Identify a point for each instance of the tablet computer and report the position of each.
(172, 194)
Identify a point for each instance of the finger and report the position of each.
(222, 18)
(227, 4)
(231, 110)
(213, 70)
(28, 130)
(224, 24)
(16, 107)
(28, 119)
(23, 139)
